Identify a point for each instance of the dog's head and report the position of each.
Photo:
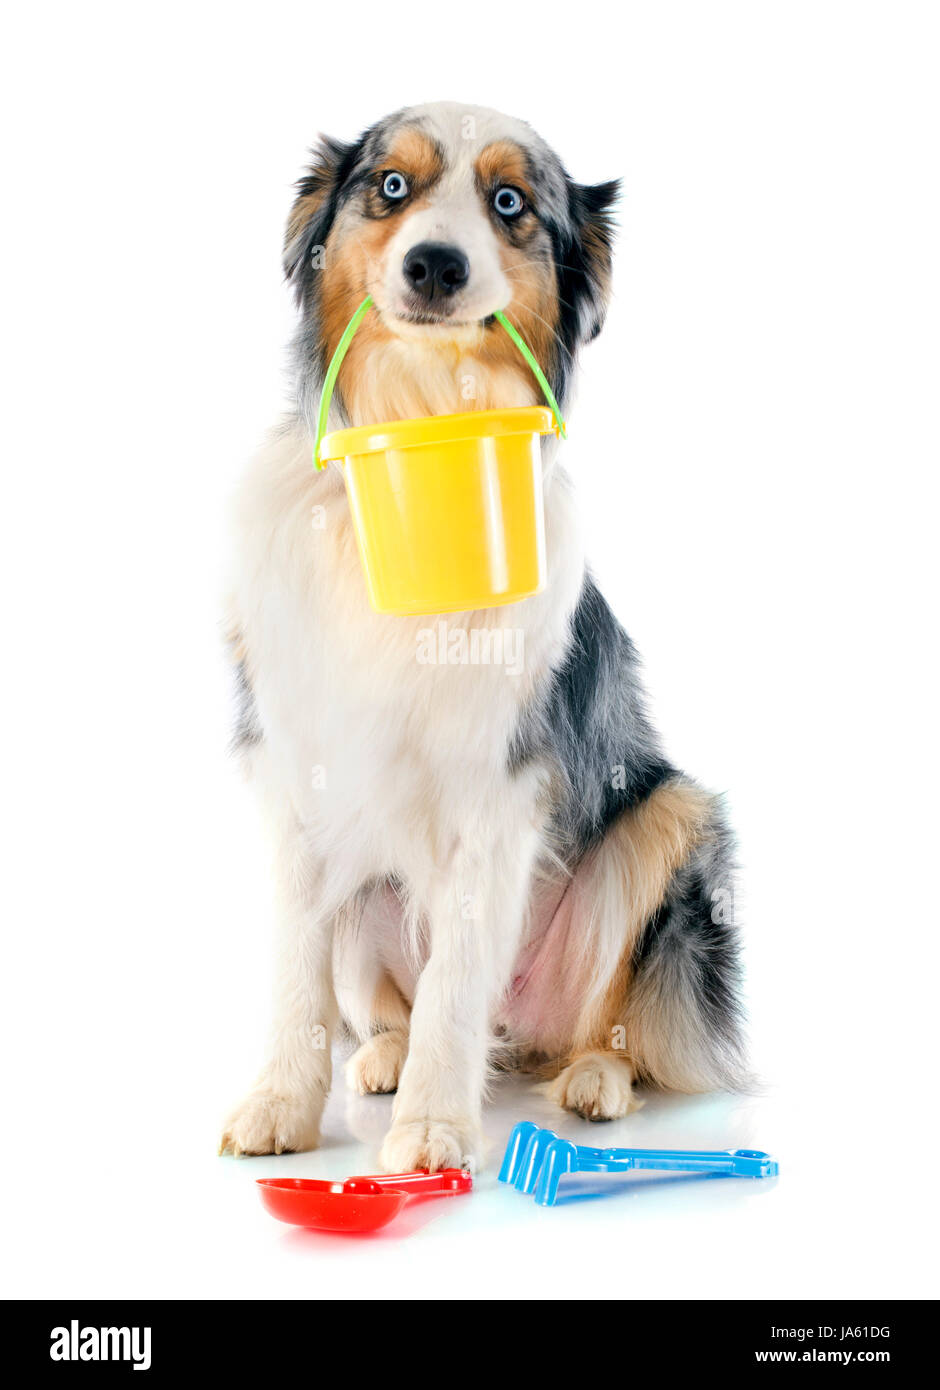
(445, 214)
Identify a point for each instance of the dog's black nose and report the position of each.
(433, 268)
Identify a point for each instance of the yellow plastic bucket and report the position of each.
(447, 509)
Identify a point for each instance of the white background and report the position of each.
(755, 442)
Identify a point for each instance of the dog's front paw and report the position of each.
(432, 1144)
(268, 1123)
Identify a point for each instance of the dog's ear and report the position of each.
(314, 208)
(585, 267)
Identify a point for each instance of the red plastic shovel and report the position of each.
(358, 1204)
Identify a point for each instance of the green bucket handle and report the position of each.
(342, 347)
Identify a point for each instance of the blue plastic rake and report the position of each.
(536, 1159)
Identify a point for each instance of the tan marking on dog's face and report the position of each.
(354, 254)
(533, 307)
(501, 163)
(382, 377)
(524, 253)
(357, 246)
(415, 155)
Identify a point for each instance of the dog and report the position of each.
(473, 865)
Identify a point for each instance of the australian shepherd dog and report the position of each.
(477, 861)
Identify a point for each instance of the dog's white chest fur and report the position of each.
(380, 732)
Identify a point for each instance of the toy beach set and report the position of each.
(534, 1163)
(447, 509)
(448, 517)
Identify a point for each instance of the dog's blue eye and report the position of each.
(395, 186)
(508, 202)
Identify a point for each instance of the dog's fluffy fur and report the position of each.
(470, 862)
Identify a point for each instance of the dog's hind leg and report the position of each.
(596, 1086)
(660, 1004)
(682, 1020)
(375, 1067)
(370, 970)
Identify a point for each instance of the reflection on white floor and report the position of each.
(495, 1223)
(147, 1209)
(355, 1125)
